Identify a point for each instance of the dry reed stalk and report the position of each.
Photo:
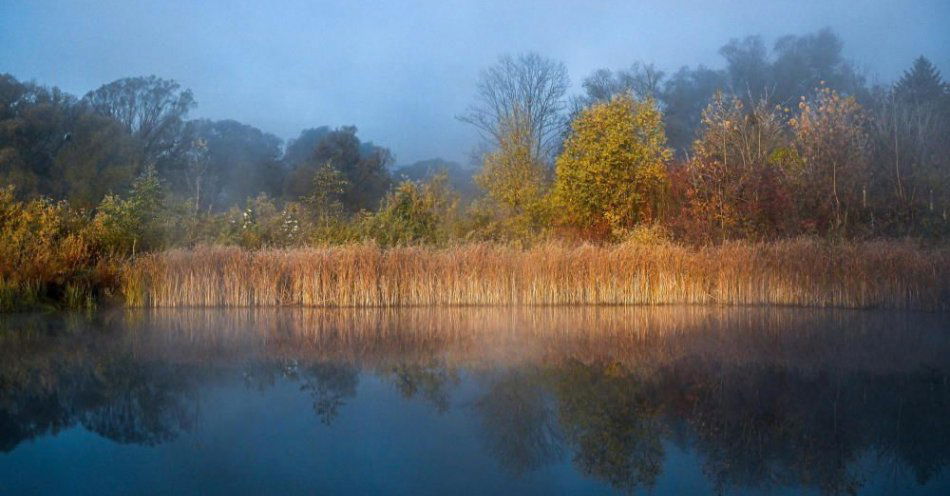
(801, 272)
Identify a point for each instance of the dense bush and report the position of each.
(413, 213)
(48, 252)
(737, 182)
(124, 225)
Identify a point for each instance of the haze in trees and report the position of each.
(784, 138)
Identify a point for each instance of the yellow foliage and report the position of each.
(515, 179)
(612, 173)
(47, 252)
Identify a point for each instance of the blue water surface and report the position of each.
(475, 401)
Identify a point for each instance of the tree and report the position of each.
(797, 64)
(921, 84)
(514, 178)
(833, 146)
(736, 183)
(530, 85)
(803, 63)
(34, 127)
(50, 145)
(685, 95)
(129, 225)
(243, 161)
(363, 165)
(612, 173)
(908, 126)
(641, 80)
(747, 67)
(150, 108)
(98, 158)
(329, 185)
(197, 168)
(300, 149)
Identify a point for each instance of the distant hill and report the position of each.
(460, 178)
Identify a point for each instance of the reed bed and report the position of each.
(800, 272)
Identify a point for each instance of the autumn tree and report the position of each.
(611, 174)
(832, 142)
(514, 178)
(736, 183)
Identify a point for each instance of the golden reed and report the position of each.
(803, 272)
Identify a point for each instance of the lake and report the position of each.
(548, 400)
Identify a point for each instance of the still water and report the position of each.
(668, 400)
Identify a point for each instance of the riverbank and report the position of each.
(800, 272)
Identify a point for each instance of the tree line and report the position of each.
(792, 142)
(81, 149)
(777, 143)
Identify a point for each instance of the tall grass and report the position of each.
(802, 272)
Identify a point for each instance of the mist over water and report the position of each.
(492, 400)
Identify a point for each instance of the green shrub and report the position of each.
(414, 213)
(137, 223)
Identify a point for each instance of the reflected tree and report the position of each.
(330, 385)
(518, 421)
(138, 403)
(611, 420)
(428, 380)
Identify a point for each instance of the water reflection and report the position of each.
(761, 398)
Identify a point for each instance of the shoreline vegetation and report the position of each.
(798, 272)
(810, 187)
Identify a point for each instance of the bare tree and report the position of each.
(528, 84)
(150, 108)
(642, 80)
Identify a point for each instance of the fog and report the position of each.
(401, 74)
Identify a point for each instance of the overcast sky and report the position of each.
(401, 70)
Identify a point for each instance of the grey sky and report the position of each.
(401, 71)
